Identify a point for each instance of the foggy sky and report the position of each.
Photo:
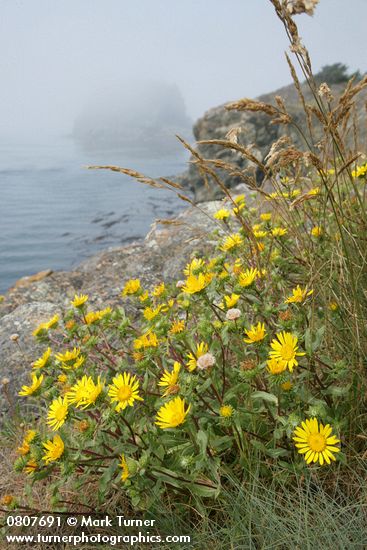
(57, 55)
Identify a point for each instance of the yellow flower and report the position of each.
(222, 214)
(42, 361)
(276, 365)
(226, 411)
(158, 290)
(360, 172)
(131, 287)
(316, 442)
(62, 378)
(94, 316)
(44, 327)
(266, 216)
(54, 448)
(172, 414)
(194, 267)
(314, 191)
(124, 390)
(29, 390)
(240, 199)
(169, 379)
(333, 306)
(57, 413)
(201, 349)
(7, 500)
(260, 234)
(30, 467)
(148, 340)
(285, 348)
(150, 313)
(177, 327)
(125, 469)
(247, 277)
(84, 392)
(231, 241)
(24, 448)
(286, 386)
(30, 435)
(237, 209)
(70, 359)
(279, 231)
(298, 295)
(256, 227)
(143, 297)
(317, 231)
(256, 333)
(194, 284)
(231, 300)
(79, 300)
(138, 355)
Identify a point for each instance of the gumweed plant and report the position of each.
(255, 354)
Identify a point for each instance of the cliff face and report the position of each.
(258, 133)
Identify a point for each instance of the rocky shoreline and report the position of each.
(160, 256)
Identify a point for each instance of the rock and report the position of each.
(25, 281)
(257, 133)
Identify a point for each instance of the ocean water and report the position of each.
(54, 212)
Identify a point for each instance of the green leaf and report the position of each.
(268, 397)
(202, 439)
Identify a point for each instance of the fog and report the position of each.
(58, 59)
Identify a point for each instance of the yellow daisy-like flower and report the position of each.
(79, 300)
(285, 348)
(62, 378)
(314, 191)
(43, 360)
(240, 199)
(231, 300)
(226, 411)
(247, 277)
(276, 366)
(131, 287)
(177, 327)
(54, 448)
(24, 448)
(148, 340)
(172, 414)
(360, 172)
(266, 216)
(30, 435)
(143, 297)
(70, 359)
(286, 386)
(333, 306)
(44, 327)
(94, 316)
(150, 313)
(260, 234)
(222, 214)
(194, 267)
(201, 349)
(84, 392)
(29, 390)
(169, 379)
(57, 413)
(124, 390)
(316, 442)
(256, 333)
(30, 467)
(317, 231)
(232, 241)
(159, 290)
(298, 295)
(279, 231)
(195, 283)
(125, 470)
